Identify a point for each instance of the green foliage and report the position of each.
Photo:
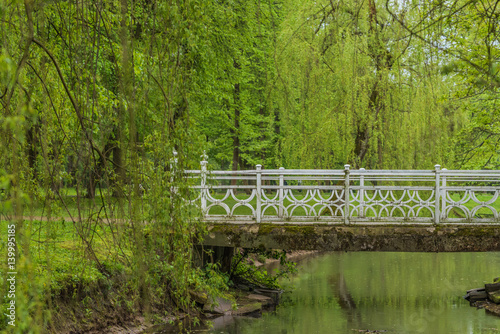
(234, 111)
(354, 88)
(259, 276)
(464, 36)
(95, 97)
(477, 145)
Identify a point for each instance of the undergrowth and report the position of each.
(244, 270)
(75, 291)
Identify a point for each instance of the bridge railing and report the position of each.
(370, 196)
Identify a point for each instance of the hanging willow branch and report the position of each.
(73, 102)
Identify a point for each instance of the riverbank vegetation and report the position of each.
(105, 103)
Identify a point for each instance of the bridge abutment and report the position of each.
(222, 255)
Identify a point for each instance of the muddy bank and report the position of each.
(221, 313)
(248, 303)
(490, 307)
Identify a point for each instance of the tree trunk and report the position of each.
(32, 138)
(118, 162)
(236, 129)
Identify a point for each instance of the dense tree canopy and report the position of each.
(377, 84)
(359, 90)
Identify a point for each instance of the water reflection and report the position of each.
(379, 293)
(345, 300)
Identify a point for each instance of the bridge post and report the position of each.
(362, 194)
(443, 197)
(437, 194)
(346, 194)
(203, 195)
(281, 193)
(259, 193)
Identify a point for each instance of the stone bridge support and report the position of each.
(223, 255)
(383, 237)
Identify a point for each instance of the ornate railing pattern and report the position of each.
(371, 196)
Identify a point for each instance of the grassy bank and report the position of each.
(88, 276)
(82, 276)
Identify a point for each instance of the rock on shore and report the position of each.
(487, 297)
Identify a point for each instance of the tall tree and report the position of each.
(94, 98)
(235, 113)
(465, 34)
(357, 89)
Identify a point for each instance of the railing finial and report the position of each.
(203, 181)
(174, 160)
(281, 193)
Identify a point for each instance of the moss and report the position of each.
(222, 228)
(477, 232)
(299, 229)
(390, 236)
(248, 309)
(267, 228)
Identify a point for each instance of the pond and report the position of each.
(376, 292)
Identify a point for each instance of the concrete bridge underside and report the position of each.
(382, 237)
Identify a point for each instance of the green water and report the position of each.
(385, 292)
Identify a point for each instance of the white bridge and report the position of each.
(347, 196)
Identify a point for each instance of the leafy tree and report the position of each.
(235, 113)
(95, 98)
(465, 36)
(357, 89)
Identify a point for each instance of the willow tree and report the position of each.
(94, 99)
(356, 88)
(466, 35)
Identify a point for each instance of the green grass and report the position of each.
(57, 252)
(57, 265)
(70, 206)
(470, 204)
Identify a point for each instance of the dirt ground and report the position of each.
(139, 325)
